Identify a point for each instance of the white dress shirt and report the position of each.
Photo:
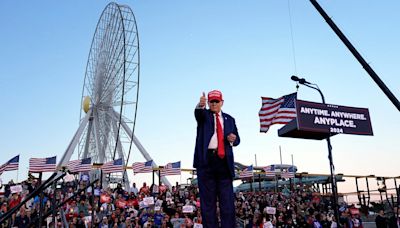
(214, 139)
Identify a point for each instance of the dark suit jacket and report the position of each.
(205, 130)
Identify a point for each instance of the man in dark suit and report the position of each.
(213, 160)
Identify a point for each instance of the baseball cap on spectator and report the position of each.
(215, 95)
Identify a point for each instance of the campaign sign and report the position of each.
(105, 198)
(121, 203)
(187, 209)
(354, 211)
(142, 205)
(328, 118)
(16, 188)
(88, 219)
(148, 200)
(69, 178)
(159, 203)
(155, 189)
(271, 210)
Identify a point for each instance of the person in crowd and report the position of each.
(144, 189)
(380, 220)
(134, 189)
(104, 223)
(22, 220)
(300, 207)
(394, 219)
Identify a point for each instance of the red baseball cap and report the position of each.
(215, 95)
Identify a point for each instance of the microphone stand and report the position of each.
(332, 167)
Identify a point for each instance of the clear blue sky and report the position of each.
(242, 48)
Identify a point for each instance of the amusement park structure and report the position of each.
(110, 95)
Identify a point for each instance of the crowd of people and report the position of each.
(160, 206)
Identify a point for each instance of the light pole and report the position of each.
(302, 81)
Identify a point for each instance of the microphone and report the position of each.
(300, 80)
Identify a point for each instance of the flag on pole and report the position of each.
(12, 164)
(142, 167)
(269, 170)
(277, 111)
(171, 169)
(82, 165)
(113, 166)
(247, 172)
(289, 173)
(39, 165)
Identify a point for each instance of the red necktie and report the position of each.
(220, 137)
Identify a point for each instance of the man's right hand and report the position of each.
(203, 101)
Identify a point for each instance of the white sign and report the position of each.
(16, 188)
(69, 178)
(268, 225)
(85, 177)
(142, 205)
(155, 189)
(148, 200)
(271, 210)
(157, 208)
(187, 209)
(197, 225)
(159, 202)
(88, 218)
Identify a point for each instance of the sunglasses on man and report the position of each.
(215, 101)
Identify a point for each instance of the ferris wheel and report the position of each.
(110, 93)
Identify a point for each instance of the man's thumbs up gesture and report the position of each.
(203, 101)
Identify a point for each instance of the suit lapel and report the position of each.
(212, 121)
(225, 122)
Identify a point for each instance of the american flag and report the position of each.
(171, 169)
(289, 173)
(269, 170)
(277, 111)
(247, 172)
(82, 165)
(12, 164)
(113, 166)
(143, 167)
(38, 165)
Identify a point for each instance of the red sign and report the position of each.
(354, 211)
(105, 198)
(121, 203)
(129, 203)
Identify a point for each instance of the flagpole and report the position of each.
(259, 181)
(294, 176)
(252, 174)
(280, 154)
(40, 201)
